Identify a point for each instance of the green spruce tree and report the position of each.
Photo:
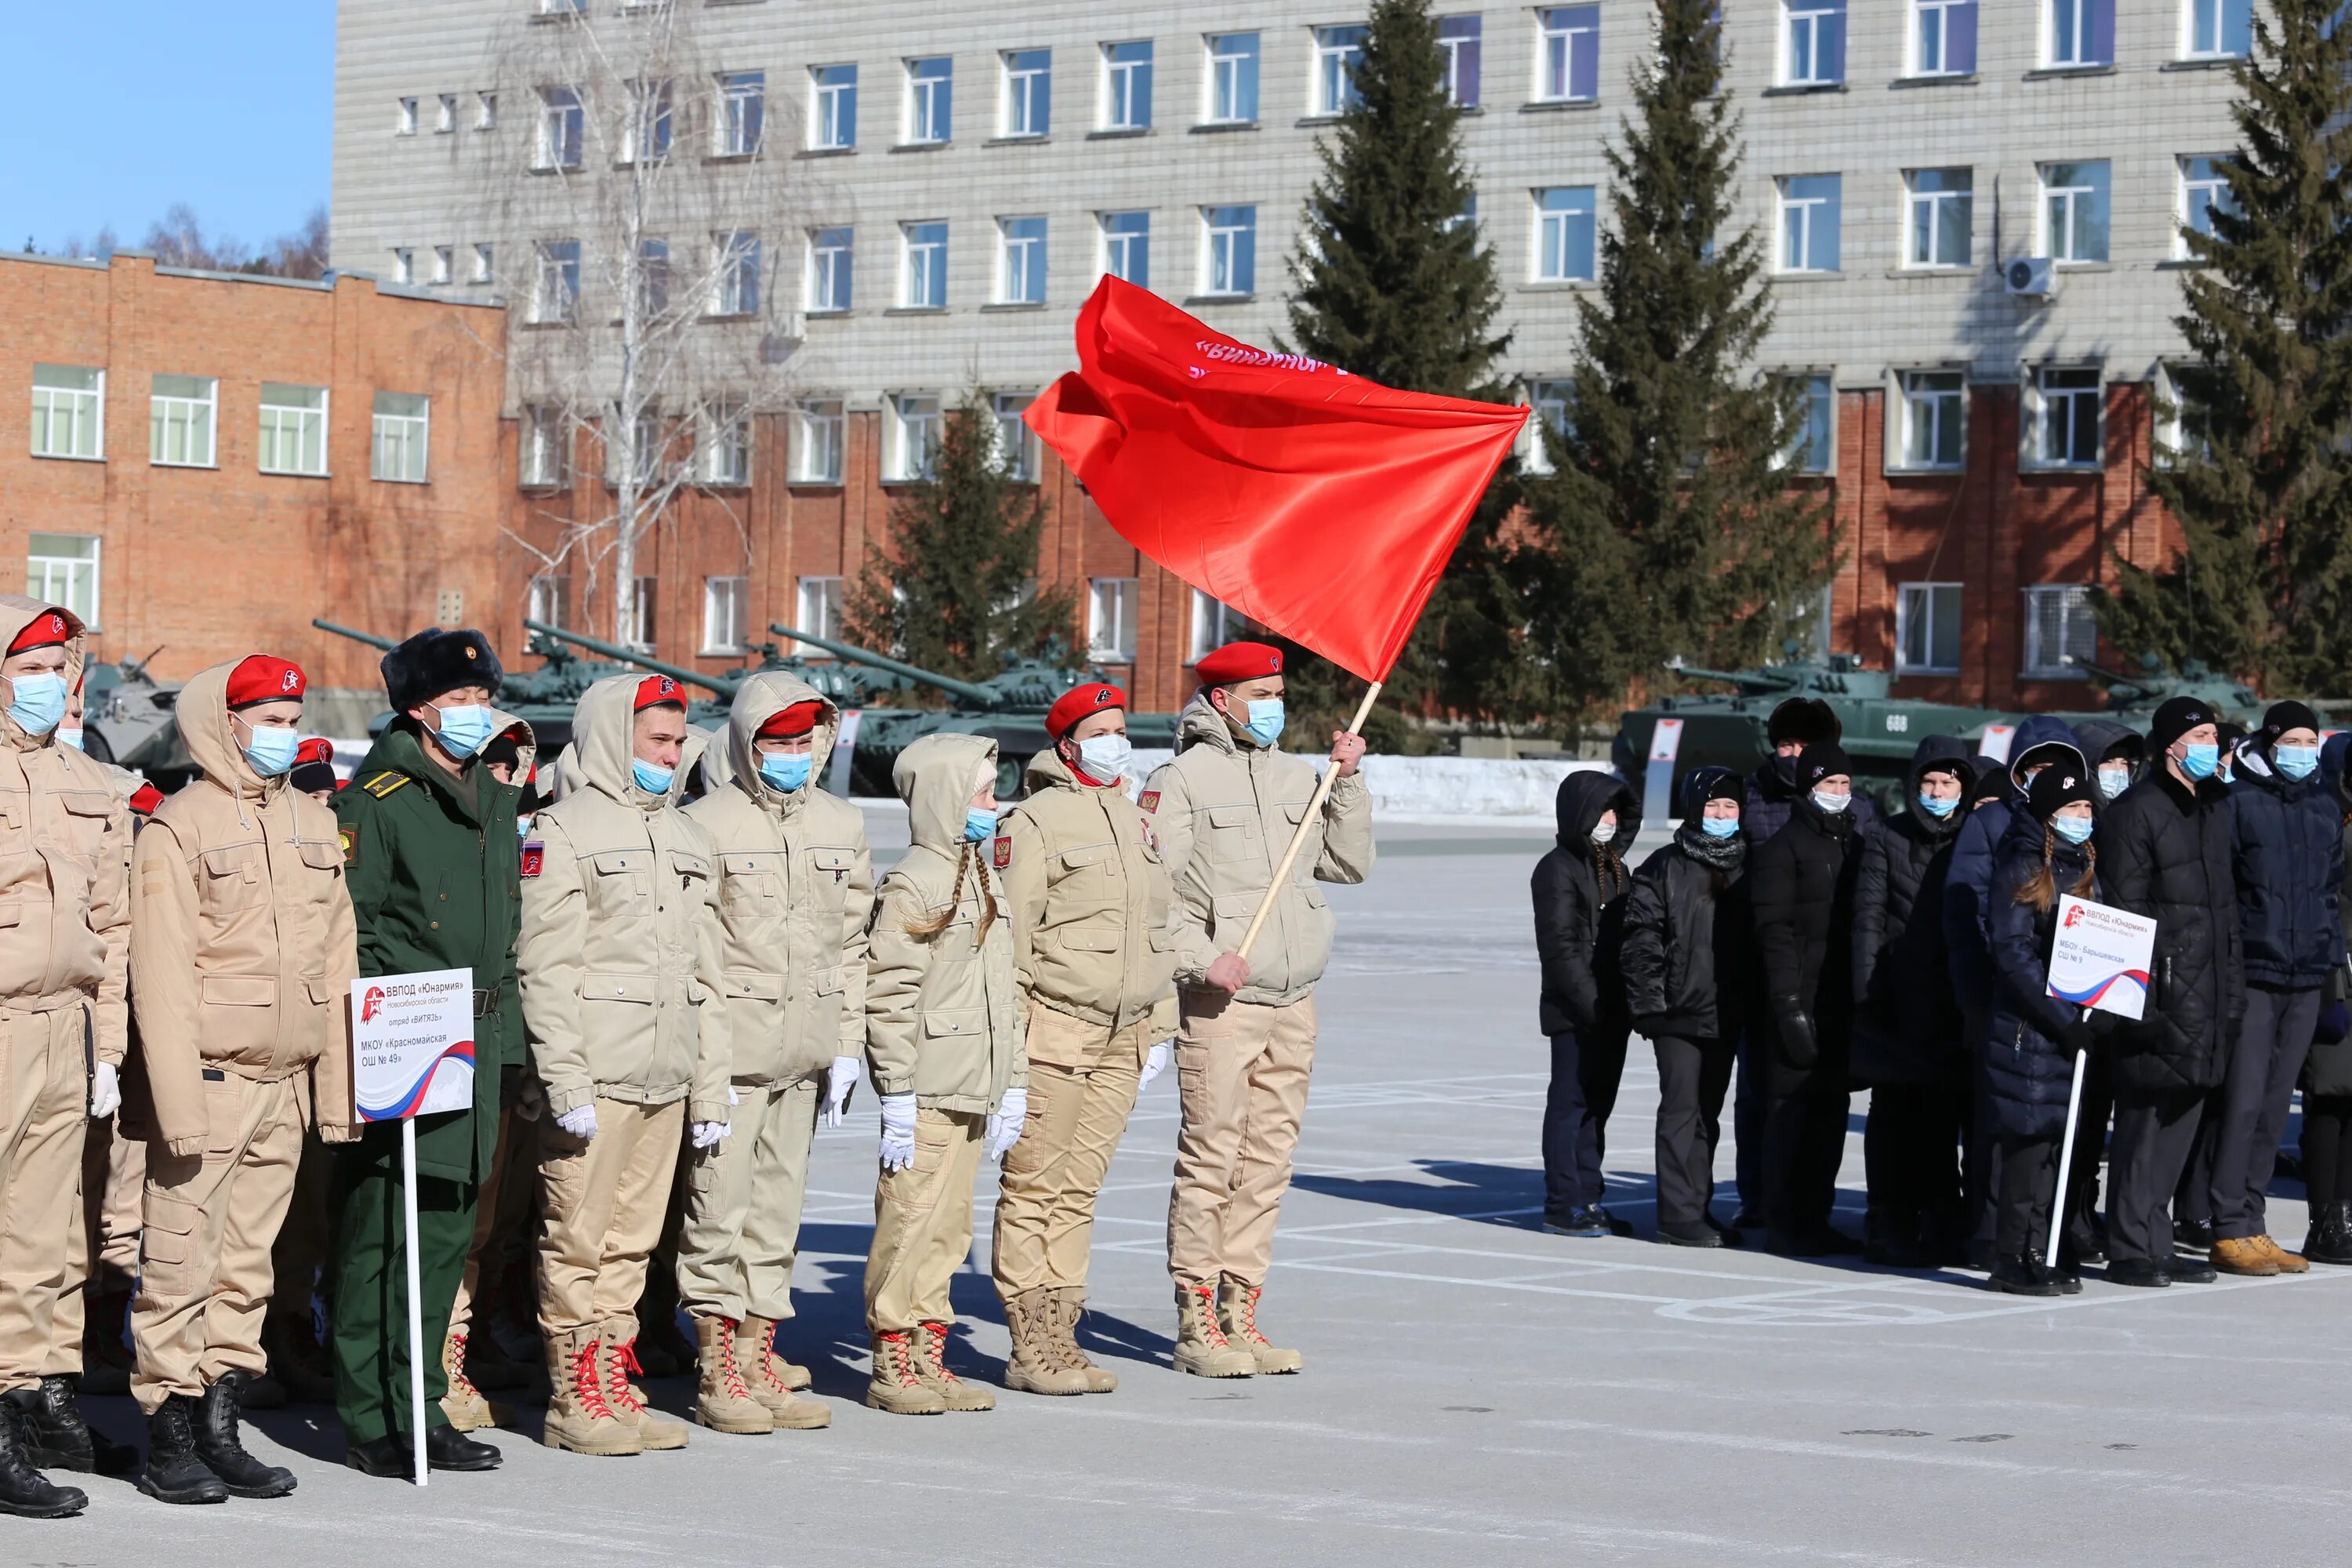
(1669, 524)
(2263, 586)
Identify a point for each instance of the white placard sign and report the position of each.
(412, 1044)
(2099, 957)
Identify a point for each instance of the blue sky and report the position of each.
(112, 112)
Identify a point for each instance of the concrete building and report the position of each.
(958, 176)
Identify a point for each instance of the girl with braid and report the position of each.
(1579, 891)
(944, 1041)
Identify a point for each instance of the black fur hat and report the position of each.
(1808, 720)
(434, 661)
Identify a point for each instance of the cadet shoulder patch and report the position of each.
(350, 833)
(384, 783)
(1003, 852)
(534, 857)
(1149, 800)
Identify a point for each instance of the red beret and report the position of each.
(50, 628)
(259, 677)
(1238, 661)
(656, 689)
(315, 749)
(145, 799)
(798, 719)
(1077, 703)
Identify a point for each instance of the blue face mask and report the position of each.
(2297, 761)
(1938, 807)
(465, 729)
(271, 750)
(2072, 829)
(1718, 827)
(785, 771)
(2199, 762)
(651, 779)
(39, 705)
(978, 823)
(69, 737)
(1265, 720)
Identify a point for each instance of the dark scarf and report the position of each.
(1723, 854)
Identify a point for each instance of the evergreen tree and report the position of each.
(1669, 522)
(2264, 583)
(955, 591)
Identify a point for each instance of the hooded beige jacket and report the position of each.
(1225, 810)
(242, 944)
(944, 1012)
(795, 891)
(619, 953)
(65, 850)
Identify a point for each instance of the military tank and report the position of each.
(127, 719)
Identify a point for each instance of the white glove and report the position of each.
(1154, 1066)
(705, 1133)
(897, 1131)
(105, 1091)
(1004, 1127)
(840, 1079)
(580, 1121)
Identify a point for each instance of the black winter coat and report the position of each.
(1968, 886)
(1580, 894)
(2328, 1069)
(1689, 940)
(2164, 852)
(2028, 1070)
(1906, 1025)
(1802, 885)
(1771, 798)
(2289, 840)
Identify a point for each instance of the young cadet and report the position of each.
(1089, 899)
(1579, 889)
(63, 1031)
(1225, 808)
(795, 889)
(429, 852)
(243, 948)
(943, 1038)
(622, 993)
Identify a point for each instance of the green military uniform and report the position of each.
(432, 865)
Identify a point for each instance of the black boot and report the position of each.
(223, 1451)
(55, 1437)
(24, 1490)
(446, 1448)
(2331, 1235)
(2018, 1275)
(174, 1473)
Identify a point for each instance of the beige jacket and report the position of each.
(243, 945)
(1225, 808)
(944, 1012)
(1090, 900)
(619, 952)
(795, 891)
(65, 850)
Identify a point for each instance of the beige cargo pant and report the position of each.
(104, 1260)
(743, 1199)
(44, 1080)
(1240, 1074)
(922, 1224)
(500, 1209)
(604, 1201)
(210, 1222)
(1077, 1113)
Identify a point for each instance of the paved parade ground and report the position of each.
(1476, 1392)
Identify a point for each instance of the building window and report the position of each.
(1564, 234)
(725, 440)
(444, 262)
(1813, 47)
(817, 442)
(485, 111)
(1549, 400)
(2059, 632)
(545, 598)
(2181, 432)
(653, 278)
(293, 430)
(726, 610)
(405, 123)
(2066, 418)
(647, 134)
(541, 458)
(1928, 628)
(2075, 212)
(1462, 39)
(743, 113)
(562, 126)
(2204, 189)
(2218, 29)
(1809, 450)
(830, 254)
(1230, 237)
(931, 99)
(446, 121)
(923, 266)
(833, 120)
(1943, 37)
(69, 412)
(61, 569)
(1932, 402)
(1809, 222)
(1016, 447)
(817, 608)
(485, 263)
(1337, 52)
(1232, 80)
(1028, 107)
(403, 436)
(735, 267)
(643, 595)
(1941, 203)
(1215, 624)
(1126, 247)
(181, 414)
(555, 287)
(1021, 270)
(915, 436)
(1126, 86)
(1568, 60)
(403, 266)
(1111, 619)
(2078, 33)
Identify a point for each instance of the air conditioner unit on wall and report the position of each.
(2031, 277)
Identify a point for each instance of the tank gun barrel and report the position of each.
(725, 689)
(980, 696)
(386, 644)
(1751, 681)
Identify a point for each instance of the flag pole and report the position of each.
(416, 1305)
(2066, 1156)
(1313, 812)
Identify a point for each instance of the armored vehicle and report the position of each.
(127, 719)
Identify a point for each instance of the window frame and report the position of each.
(1237, 235)
(829, 281)
(559, 140)
(1814, 388)
(833, 108)
(1029, 88)
(1934, 202)
(2187, 212)
(907, 418)
(644, 614)
(410, 434)
(932, 269)
(2074, 601)
(1916, 37)
(1814, 17)
(1560, 224)
(1337, 51)
(2046, 229)
(1784, 201)
(924, 95)
(1470, 45)
(738, 284)
(1020, 260)
(2045, 401)
(1907, 619)
(403, 120)
(1902, 431)
(485, 261)
(825, 590)
(1545, 395)
(1123, 594)
(159, 407)
(820, 426)
(739, 128)
(545, 595)
(735, 590)
(539, 447)
(2085, 16)
(2190, 49)
(1122, 243)
(85, 403)
(1246, 72)
(1557, 28)
(42, 569)
(308, 424)
(1121, 77)
(550, 265)
(723, 441)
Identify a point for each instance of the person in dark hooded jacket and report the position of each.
(2327, 1070)
(1908, 1027)
(2117, 756)
(1687, 947)
(1580, 890)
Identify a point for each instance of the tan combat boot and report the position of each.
(765, 1375)
(931, 1366)
(1037, 1364)
(2232, 1255)
(721, 1401)
(1069, 1306)
(577, 1416)
(656, 1431)
(1202, 1347)
(2288, 1262)
(897, 1389)
(463, 1405)
(1237, 1309)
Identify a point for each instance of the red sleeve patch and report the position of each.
(1149, 800)
(1003, 853)
(534, 857)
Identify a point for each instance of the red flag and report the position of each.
(1321, 505)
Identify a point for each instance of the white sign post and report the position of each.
(412, 1055)
(2099, 959)
(1658, 784)
(844, 747)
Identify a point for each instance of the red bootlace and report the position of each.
(584, 1385)
(767, 1373)
(730, 1376)
(902, 1366)
(625, 1362)
(935, 1349)
(459, 1384)
(1246, 1312)
(1214, 1331)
